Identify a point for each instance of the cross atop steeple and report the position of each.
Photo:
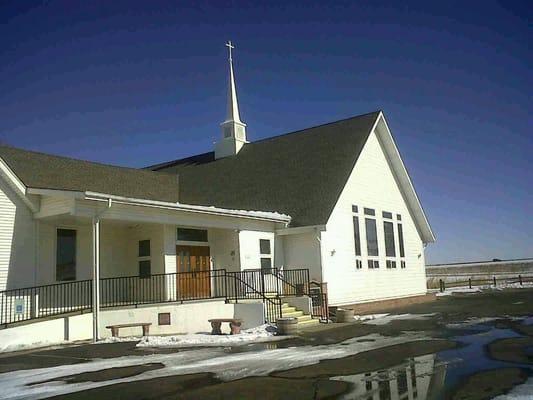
(233, 129)
(230, 47)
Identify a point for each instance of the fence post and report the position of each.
(470, 283)
(520, 279)
(494, 280)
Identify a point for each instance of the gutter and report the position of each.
(211, 210)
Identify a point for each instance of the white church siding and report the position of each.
(302, 251)
(371, 184)
(250, 255)
(17, 240)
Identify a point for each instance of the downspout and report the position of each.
(96, 270)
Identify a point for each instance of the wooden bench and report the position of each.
(115, 328)
(234, 325)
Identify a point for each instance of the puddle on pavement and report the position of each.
(434, 376)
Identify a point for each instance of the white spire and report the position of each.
(233, 129)
(233, 106)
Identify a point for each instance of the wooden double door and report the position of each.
(193, 266)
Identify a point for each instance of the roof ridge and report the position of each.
(76, 159)
(316, 126)
(179, 160)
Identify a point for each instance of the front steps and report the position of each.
(304, 320)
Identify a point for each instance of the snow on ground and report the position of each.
(368, 317)
(263, 333)
(383, 319)
(520, 392)
(23, 384)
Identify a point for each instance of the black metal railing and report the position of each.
(255, 284)
(319, 300)
(487, 282)
(44, 301)
(269, 286)
(294, 282)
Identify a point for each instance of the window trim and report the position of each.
(376, 237)
(401, 239)
(191, 242)
(391, 236)
(266, 255)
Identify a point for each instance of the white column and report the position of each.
(96, 277)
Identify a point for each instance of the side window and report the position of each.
(390, 248)
(265, 251)
(371, 237)
(144, 259)
(400, 240)
(66, 255)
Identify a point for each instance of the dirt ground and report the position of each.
(312, 381)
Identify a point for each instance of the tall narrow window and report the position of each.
(371, 237)
(400, 239)
(66, 255)
(356, 235)
(390, 248)
(265, 255)
(145, 263)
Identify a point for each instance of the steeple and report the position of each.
(233, 129)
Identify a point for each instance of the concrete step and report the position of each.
(308, 322)
(294, 314)
(287, 309)
(304, 317)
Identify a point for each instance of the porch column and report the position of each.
(96, 277)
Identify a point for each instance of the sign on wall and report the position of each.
(19, 306)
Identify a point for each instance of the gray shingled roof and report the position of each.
(44, 171)
(300, 174)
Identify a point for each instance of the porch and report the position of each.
(270, 288)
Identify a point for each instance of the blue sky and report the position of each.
(136, 83)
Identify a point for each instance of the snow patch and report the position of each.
(384, 319)
(520, 392)
(23, 384)
(259, 334)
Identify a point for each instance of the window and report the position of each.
(264, 246)
(192, 235)
(144, 248)
(370, 211)
(265, 251)
(402, 264)
(356, 236)
(358, 264)
(386, 214)
(391, 264)
(145, 264)
(400, 240)
(145, 269)
(398, 217)
(66, 255)
(373, 264)
(371, 237)
(388, 228)
(355, 209)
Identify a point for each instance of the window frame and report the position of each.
(56, 243)
(266, 256)
(144, 259)
(387, 238)
(401, 239)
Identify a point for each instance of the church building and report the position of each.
(334, 202)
